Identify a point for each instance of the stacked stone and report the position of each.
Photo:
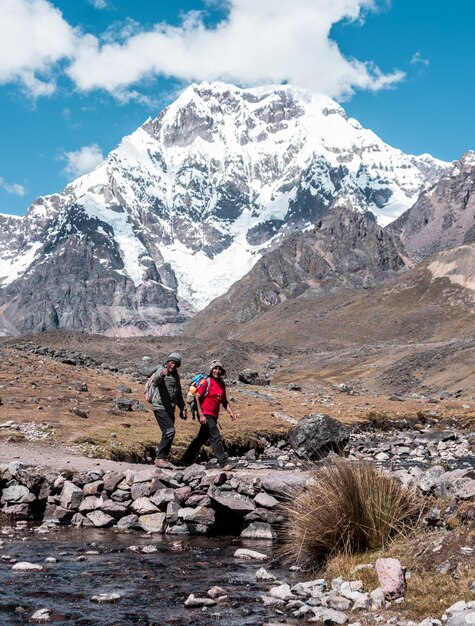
(193, 501)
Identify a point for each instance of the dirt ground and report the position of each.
(71, 408)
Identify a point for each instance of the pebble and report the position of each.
(41, 615)
(25, 566)
(106, 598)
(244, 553)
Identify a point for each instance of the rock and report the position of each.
(101, 519)
(391, 578)
(216, 592)
(377, 599)
(106, 598)
(328, 616)
(154, 523)
(115, 509)
(294, 387)
(94, 488)
(236, 502)
(243, 553)
(316, 435)
(259, 530)
(462, 618)
(25, 566)
(71, 496)
(284, 483)
(128, 522)
(143, 506)
(112, 479)
(249, 377)
(90, 503)
(123, 405)
(263, 574)
(163, 496)
(266, 500)
(281, 592)
(192, 602)
(41, 615)
(79, 412)
(18, 494)
(200, 515)
(139, 490)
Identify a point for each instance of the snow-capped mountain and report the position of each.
(188, 203)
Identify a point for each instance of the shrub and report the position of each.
(349, 507)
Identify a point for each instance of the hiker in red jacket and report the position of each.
(210, 395)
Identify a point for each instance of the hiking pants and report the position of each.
(166, 421)
(207, 431)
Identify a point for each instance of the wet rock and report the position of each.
(259, 530)
(25, 566)
(263, 574)
(193, 602)
(41, 615)
(106, 598)
(316, 435)
(281, 592)
(243, 553)
(154, 523)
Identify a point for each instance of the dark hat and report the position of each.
(216, 363)
(176, 357)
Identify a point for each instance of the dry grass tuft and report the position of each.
(348, 508)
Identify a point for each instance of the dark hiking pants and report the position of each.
(166, 421)
(207, 431)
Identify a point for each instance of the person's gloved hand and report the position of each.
(183, 414)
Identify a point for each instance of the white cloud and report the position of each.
(82, 161)
(14, 188)
(418, 59)
(268, 41)
(33, 38)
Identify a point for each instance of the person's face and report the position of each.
(216, 372)
(172, 366)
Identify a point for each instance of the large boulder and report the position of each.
(316, 435)
(249, 377)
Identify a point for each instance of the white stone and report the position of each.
(25, 566)
(244, 553)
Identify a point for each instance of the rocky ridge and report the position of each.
(204, 189)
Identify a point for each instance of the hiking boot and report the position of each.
(163, 464)
(228, 466)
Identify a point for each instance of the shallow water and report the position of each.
(153, 587)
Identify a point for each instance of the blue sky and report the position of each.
(78, 75)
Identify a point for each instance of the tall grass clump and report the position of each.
(348, 507)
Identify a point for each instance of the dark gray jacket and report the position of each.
(167, 392)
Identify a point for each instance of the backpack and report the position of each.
(149, 389)
(196, 380)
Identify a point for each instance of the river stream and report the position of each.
(152, 585)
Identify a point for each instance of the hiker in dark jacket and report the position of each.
(165, 397)
(210, 395)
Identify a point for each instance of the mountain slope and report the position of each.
(442, 217)
(188, 203)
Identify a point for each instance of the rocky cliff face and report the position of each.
(188, 203)
(345, 249)
(444, 216)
